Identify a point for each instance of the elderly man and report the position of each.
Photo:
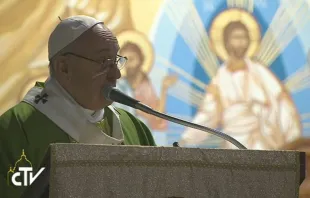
(69, 107)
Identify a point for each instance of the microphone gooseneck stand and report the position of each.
(218, 133)
(113, 94)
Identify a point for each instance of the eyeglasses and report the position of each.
(119, 62)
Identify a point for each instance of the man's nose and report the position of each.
(115, 73)
(118, 74)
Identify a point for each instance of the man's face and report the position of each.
(133, 63)
(87, 78)
(238, 43)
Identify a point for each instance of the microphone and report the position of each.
(115, 95)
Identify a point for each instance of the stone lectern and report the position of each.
(77, 170)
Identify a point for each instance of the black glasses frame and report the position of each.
(103, 63)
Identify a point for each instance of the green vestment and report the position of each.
(25, 128)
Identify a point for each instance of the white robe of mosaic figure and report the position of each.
(251, 105)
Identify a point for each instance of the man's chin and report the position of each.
(102, 105)
(108, 103)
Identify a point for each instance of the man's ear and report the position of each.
(61, 67)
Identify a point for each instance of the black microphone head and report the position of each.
(113, 94)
